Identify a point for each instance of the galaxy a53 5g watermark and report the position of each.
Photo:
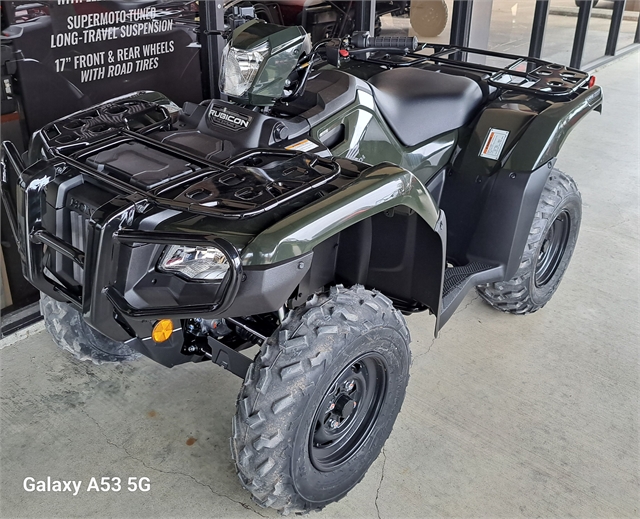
(94, 484)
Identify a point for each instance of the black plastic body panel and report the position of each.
(491, 218)
(395, 252)
(508, 213)
(140, 165)
(436, 184)
(327, 92)
(265, 289)
(221, 129)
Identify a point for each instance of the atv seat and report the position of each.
(419, 104)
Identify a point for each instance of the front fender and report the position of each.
(379, 188)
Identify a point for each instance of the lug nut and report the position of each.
(349, 385)
(334, 424)
(332, 406)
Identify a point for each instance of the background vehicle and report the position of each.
(320, 19)
(190, 235)
(42, 60)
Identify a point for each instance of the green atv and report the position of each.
(305, 214)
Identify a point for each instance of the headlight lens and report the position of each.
(195, 262)
(239, 68)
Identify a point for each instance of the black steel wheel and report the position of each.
(69, 331)
(552, 249)
(348, 412)
(320, 400)
(548, 251)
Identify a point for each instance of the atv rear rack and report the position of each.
(523, 74)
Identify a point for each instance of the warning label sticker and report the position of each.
(494, 143)
(304, 145)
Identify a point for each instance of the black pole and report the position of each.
(539, 25)
(637, 38)
(614, 28)
(211, 24)
(8, 14)
(461, 22)
(363, 14)
(584, 13)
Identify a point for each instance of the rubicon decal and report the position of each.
(230, 120)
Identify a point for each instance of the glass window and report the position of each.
(561, 26)
(598, 32)
(560, 30)
(511, 24)
(629, 24)
(429, 20)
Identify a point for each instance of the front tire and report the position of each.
(320, 400)
(548, 251)
(69, 331)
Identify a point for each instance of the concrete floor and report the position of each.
(505, 416)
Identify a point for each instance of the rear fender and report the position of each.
(492, 201)
(546, 134)
(535, 129)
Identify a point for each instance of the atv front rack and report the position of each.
(523, 74)
(111, 143)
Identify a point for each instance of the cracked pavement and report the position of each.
(505, 416)
(384, 464)
(244, 505)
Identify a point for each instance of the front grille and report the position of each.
(79, 229)
(81, 199)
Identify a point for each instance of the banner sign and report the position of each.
(76, 53)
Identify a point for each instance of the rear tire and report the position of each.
(320, 400)
(69, 331)
(546, 256)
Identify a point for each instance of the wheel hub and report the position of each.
(342, 406)
(347, 412)
(345, 406)
(552, 249)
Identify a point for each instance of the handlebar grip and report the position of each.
(395, 42)
(363, 40)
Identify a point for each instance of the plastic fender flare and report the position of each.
(546, 134)
(379, 188)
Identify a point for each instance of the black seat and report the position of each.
(419, 104)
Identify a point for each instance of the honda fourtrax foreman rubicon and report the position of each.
(340, 186)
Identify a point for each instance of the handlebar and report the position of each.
(363, 40)
(332, 51)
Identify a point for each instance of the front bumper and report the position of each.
(109, 274)
(99, 294)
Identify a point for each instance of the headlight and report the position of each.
(195, 262)
(239, 68)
